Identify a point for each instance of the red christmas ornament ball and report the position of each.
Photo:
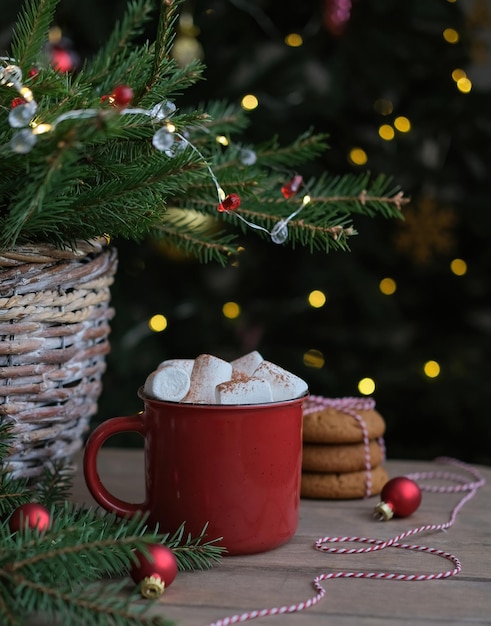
(156, 572)
(62, 59)
(122, 95)
(33, 515)
(400, 497)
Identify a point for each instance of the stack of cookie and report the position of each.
(343, 450)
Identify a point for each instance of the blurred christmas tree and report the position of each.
(400, 88)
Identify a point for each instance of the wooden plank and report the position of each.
(284, 576)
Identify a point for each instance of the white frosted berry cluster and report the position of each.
(207, 379)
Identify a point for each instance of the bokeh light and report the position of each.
(366, 386)
(357, 156)
(249, 102)
(317, 299)
(231, 310)
(387, 286)
(157, 323)
(431, 369)
(314, 358)
(386, 132)
(458, 267)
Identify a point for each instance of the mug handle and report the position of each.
(97, 438)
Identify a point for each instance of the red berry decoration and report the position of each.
(156, 572)
(32, 515)
(17, 102)
(230, 203)
(33, 72)
(291, 188)
(122, 95)
(400, 497)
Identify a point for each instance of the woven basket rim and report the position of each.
(46, 253)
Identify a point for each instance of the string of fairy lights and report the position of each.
(394, 125)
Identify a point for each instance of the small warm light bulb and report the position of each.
(451, 35)
(231, 310)
(366, 386)
(314, 358)
(157, 323)
(306, 200)
(294, 40)
(40, 129)
(464, 85)
(386, 132)
(170, 127)
(387, 286)
(317, 299)
(249, 102)
(357, 156)
(402, 124)
(431, 369)
(222, 140)
(221, 194)
(458, 267)
(26, 93)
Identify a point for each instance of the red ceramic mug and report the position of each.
(236, 468)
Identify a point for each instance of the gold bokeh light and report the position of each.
(231, 310)
(387, 286)
(317, 299)
(366, 386)
(249, 102)
(157, 323)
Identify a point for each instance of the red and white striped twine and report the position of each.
(469, 488)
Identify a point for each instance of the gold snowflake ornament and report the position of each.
(426, 231)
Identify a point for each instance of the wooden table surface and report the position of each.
(284, 576)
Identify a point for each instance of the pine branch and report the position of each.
(53, 572)
(194, 553)
(307, 147)
(13, 491)
(194, 242)
(164, 39)
(9, 611)
(108, 57)
(31, 31)
(103, 172)
(87, 606)
(54, 485)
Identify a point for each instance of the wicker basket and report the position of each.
(54, 327)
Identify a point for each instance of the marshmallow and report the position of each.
(208, 372)
(247, 391)
(183, 364)
(284, 384)
(167, 383)
(248, 362)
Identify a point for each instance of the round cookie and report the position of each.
(343, 457)
(330, 425)
(341, 486)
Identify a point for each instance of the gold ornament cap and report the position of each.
(383, 511)
(152, 587)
